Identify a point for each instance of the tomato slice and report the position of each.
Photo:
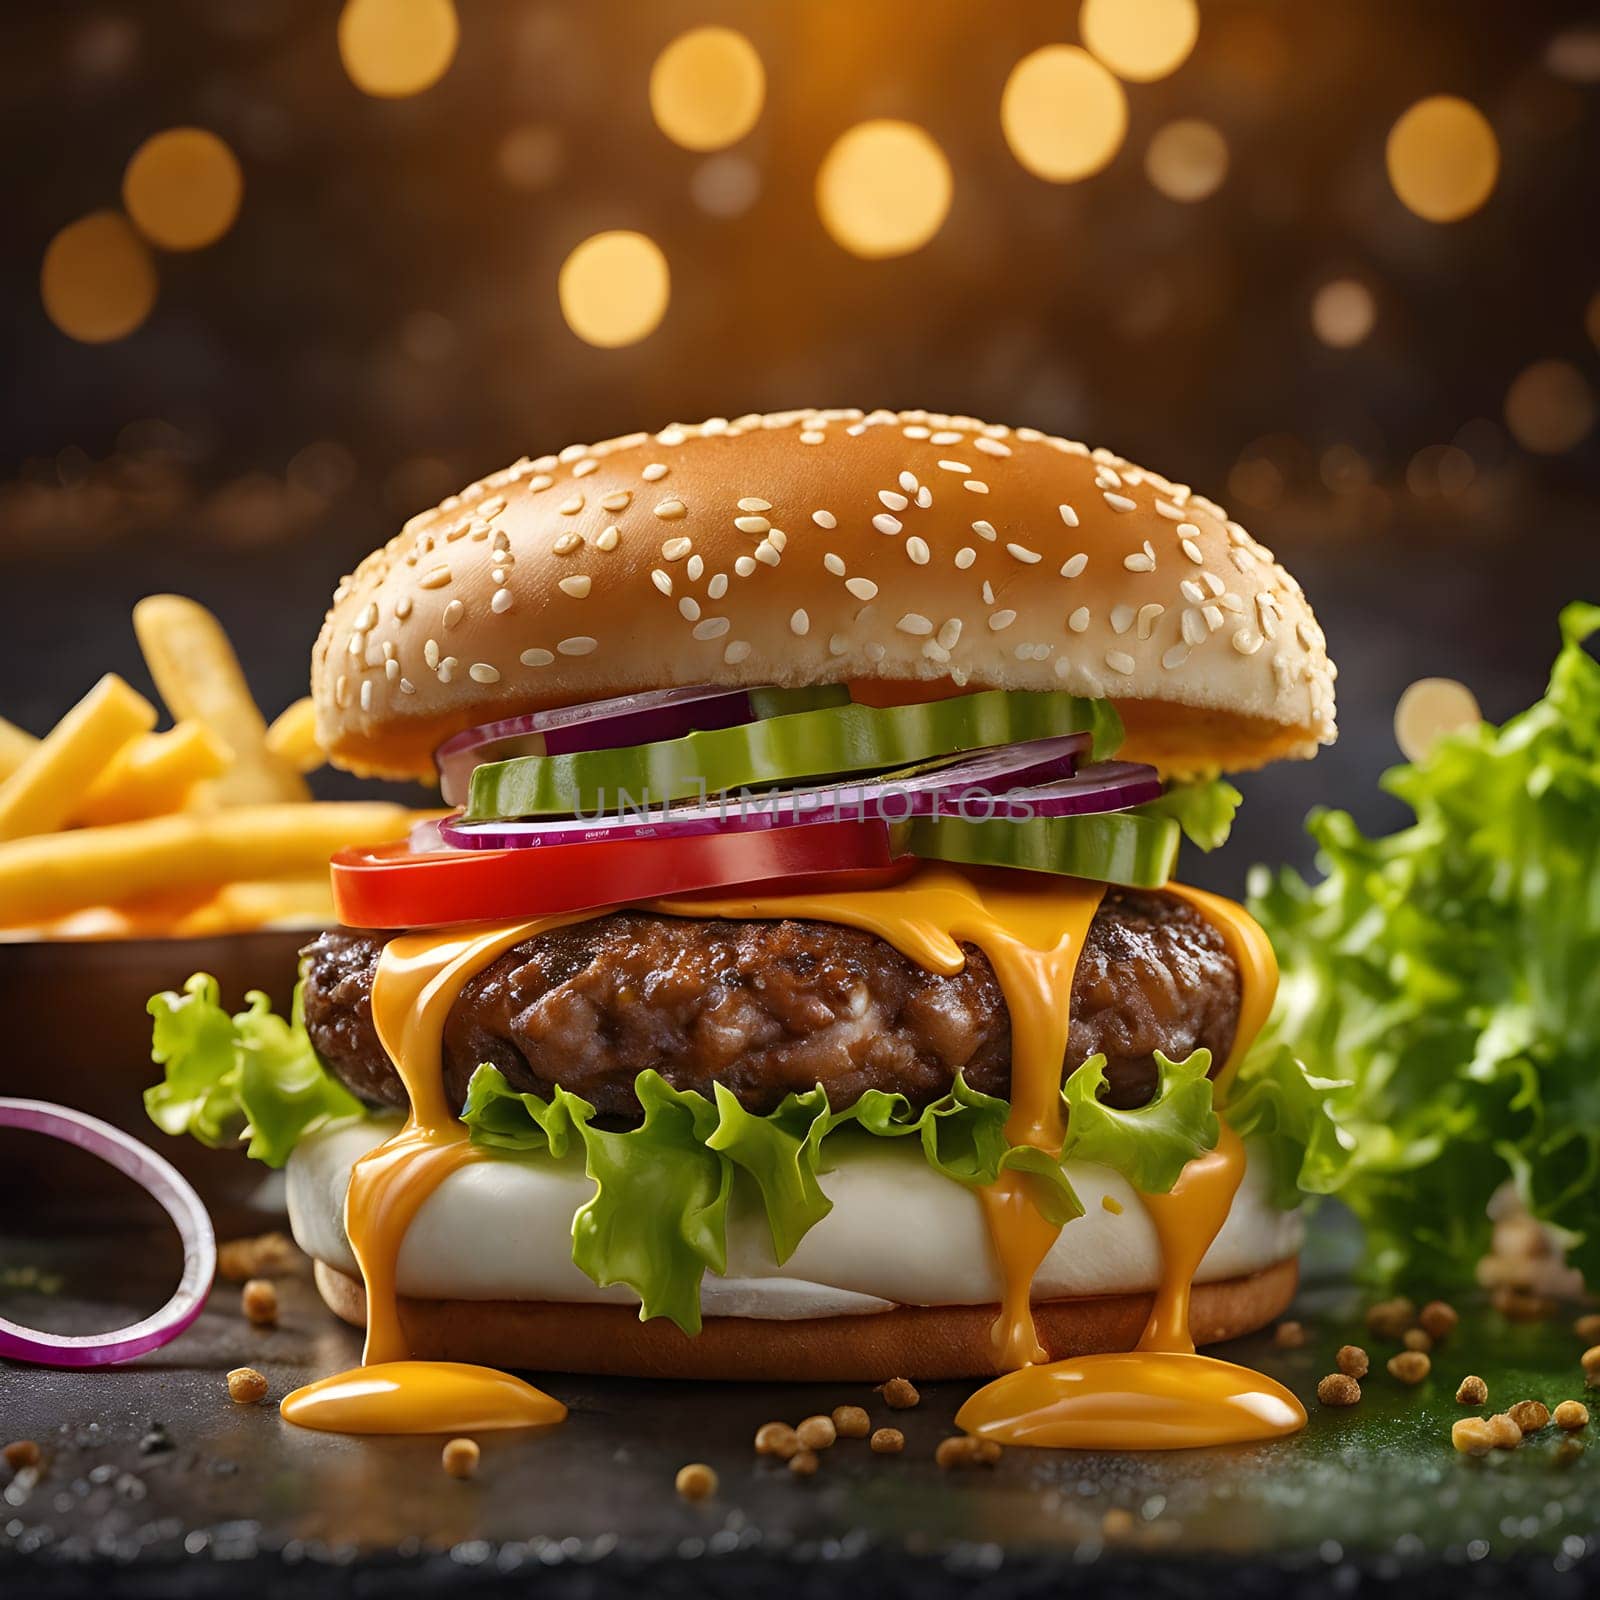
(393, 886)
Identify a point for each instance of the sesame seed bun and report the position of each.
(819, 547)
(921, 1342)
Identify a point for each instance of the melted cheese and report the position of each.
(1033, 933)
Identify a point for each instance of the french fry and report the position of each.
(199, 677)
(43, 792)
(15, 748)
(153, 774)
(48, 876)
(238, 906)
(292, 738)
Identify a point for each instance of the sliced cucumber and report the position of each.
(806, 744)
(1110, 847)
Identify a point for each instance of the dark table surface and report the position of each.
(153, 1483)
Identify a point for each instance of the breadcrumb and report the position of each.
(1472, 1390)
(1571, 1415)
(1471, 1436)
(777, 1439)
(1504, 1434)
(1438, 1319)
(246, 1386)
(1410, 1366)
(1289, 1336)
(851, 1422)
(816, 1433)
(1352, 1361)
(900, 1394)
(696, 1481)
(1338, 1389)
(1529, 1415)
(887, 1442)
(460, 1457)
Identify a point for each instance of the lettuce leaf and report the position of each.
(1151, 1144)
(1204, 810)
(1447, 974)
(253, 1073)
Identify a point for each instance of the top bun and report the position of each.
(817, 547)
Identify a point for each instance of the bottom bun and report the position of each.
(910, 1341)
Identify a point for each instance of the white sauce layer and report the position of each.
(898, 1234)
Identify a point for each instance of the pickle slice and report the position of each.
(806, 744)
(1110, 847)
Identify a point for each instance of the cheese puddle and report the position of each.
(1159, 1395)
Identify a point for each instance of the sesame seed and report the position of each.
(501, 601)
(812, 436)
(1193, 627)
(1001, 620)
(654, 472)
(1120, 661)
(670, 509)
(744, 566)
(1175, 657)
(834, 564)
(718, 585)
(767, 553)
(1105, 478)
(1121, 619)
(751, 524)
(862, 588)
(1023, 554)
(368, 618)
(402, 608)
(1187, 530)
(1148, 616)
(924, 497)
(446, 669)
(676, 549)
(1119, 502)
(430, 653)
(582, 470)
(1068, 515)
(567, 543)
(662, 580)
(1192, 550)
(436, 579)
(453, 613)
(1141, 560)
(990, 447)
(1192, 592)
(1213, 583)
(914, 622)
(799, 622)
(908, 481)
(1214, 617)
(988, 592)
(917, 549)
(893, 500)
(751, 503)
(482, 672)
(950, 632)
(945, 436)
(689, 609)
(1165, 508)
(540, 482)
(366, 694)
(825, 519)
(965, 556)
(579, 644)
(407, 686)
(1073, 565)
(884, 523)
(917, 431)
(577, 585)
(571, 505)
(617, 500)
(490, 509)
(536, 658)
(976, 485)
(711, 628)
(837, 643)
(777, 539)
(985, 530)
(1079, 620)
(391, 669)
(736, 652)
(1246, 642)
(956, 466)
(932, 650)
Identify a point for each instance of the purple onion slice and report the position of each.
(610, 724)
(158, 1178)
(1035, 779)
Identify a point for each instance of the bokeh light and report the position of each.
(98, 281)
(531, 155)
(1443, 158)
(1187, 160)
(707, 88)
(1428, 710)
(884, 189)
(395, 48)
(1140, 40)
(1343, 312)
(726, 185)
(1549, 407)
(183, 188)
(1063, 114)
(614, 288)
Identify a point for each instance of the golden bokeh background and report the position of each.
(282, 272)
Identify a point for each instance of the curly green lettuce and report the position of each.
(1449, 973)
(252, 1075)
(1204, 809)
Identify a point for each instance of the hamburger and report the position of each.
(799, 985)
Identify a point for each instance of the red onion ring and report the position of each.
(158, 1178)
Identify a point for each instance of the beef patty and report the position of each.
(769, 1007)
